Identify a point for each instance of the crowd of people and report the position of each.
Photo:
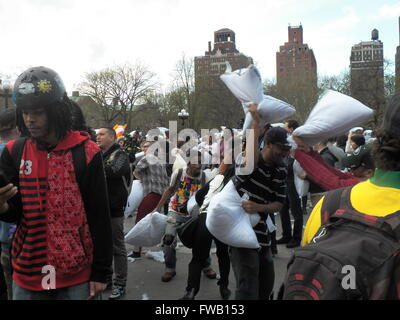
(65, 190)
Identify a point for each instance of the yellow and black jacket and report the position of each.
(378, 196)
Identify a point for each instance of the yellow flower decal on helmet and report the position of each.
(44, 86)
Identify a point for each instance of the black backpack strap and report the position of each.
(203, 179)
(201, 193)
(16, 151)
(333, 200)
(337, 205)
(392, 221)
(79, 159)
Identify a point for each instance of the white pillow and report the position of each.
(245, 84)
(271, 110)
(302, 185)
(210, 174)
(179, 163)
(228, 222)
(192, 206)
(149, 231)
(334, 114)
(135, 198)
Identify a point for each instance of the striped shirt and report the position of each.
(266, 184)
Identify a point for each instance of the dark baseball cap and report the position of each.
(360, 157)
(278, 136)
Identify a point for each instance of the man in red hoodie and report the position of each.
(62, 248)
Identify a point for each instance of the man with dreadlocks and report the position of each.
(62, 248)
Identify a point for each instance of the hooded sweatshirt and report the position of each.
(59, 226)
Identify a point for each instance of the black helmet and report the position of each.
(38, 87)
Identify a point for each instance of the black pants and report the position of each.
(254, 273)
(292, 202)
(200, 253)
(304, 204)
(3, 287)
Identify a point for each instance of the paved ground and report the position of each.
(144, 275)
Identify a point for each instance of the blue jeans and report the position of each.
(174, 220)
(77, 292)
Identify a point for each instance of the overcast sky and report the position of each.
(74, 37)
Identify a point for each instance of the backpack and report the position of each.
(78, 156)
(187, 230)
(352, 257)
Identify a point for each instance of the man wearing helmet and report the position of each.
(62, 248)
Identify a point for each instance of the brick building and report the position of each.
(215, 104)
(367, 72)
(295, 61)
(209, 67)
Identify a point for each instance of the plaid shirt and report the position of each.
(153, 175)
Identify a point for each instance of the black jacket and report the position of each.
(328, 156)
(116, 165)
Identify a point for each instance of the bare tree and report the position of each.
(217, 106)
(118, 89)
(181, 95)
(165, 108)
(300, 94)
(389, 79)
(6, 79)
(339, 83)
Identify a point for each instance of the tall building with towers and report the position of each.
(295, 61)
(209, 67)
(367, 72)
(215, 104)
